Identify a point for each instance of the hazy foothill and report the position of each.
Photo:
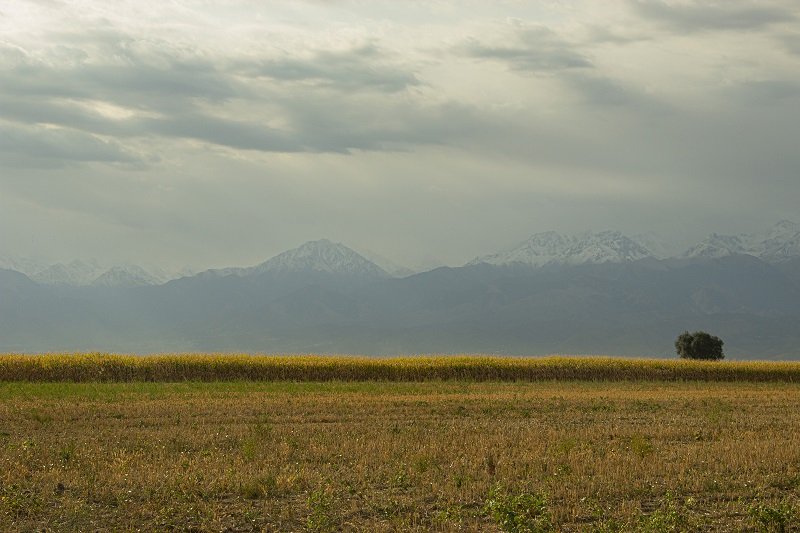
(521, 267)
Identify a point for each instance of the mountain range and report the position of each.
(551, 248)
(594, 292)
(89, 272)
(779, 243)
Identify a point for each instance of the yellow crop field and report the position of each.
(202, 367)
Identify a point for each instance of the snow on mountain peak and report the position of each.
(716, 245)
(780, 242)
(551, 247)
(322, 256)
(87, 272)
(606, 247)
(75, 273)
(125, 277)
(786, 226)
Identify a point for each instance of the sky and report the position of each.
(213, 133)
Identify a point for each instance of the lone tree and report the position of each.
(699, 345)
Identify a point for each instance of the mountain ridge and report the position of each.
(552, 248)
(779, 243)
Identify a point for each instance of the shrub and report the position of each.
(699, 345)
(519, 513)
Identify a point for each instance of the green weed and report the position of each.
(519, 513)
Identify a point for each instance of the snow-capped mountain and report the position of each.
(319, 256)
(779, 243)
(76, 273)
(24, 265)
(552, 248)
(716, 245)
(656, 244)
(88, 272)
(125, 277)
(322, 256)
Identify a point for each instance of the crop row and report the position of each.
(186, 367)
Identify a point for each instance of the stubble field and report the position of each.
(400, 456)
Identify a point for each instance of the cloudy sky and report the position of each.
(213, 132)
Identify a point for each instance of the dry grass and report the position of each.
(169, 368)
(436, 456)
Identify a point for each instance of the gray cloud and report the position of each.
(536, 49)
(619, 36)
(181, 89)
(766, 92)
(603, 91)
(138, 84)
(416, 135)
(312, 124)
(705, 15)
(357, 69)
(792, 43)
(55, 146)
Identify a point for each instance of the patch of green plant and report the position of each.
(641, 445)
(321, 516)
(601, 405)
(451, 514)
(609, 526)
(647, 406)
(566, 445)
(669, 517)
(67, 452)
(41, 417)
(18, 502)
(422, 464)
(400, 480)
(786, 482)
(779, 518)
(461, 478)
(258, 488)
(524, 512)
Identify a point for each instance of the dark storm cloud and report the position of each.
(704, 15)
(535, 49)
(360, 68)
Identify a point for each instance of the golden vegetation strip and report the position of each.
(364, 456)
(97, 367)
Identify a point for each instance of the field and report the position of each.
(203, 367)
(449, 454)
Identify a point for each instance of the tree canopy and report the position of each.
(699, 345)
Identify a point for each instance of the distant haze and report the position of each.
(221, 133)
